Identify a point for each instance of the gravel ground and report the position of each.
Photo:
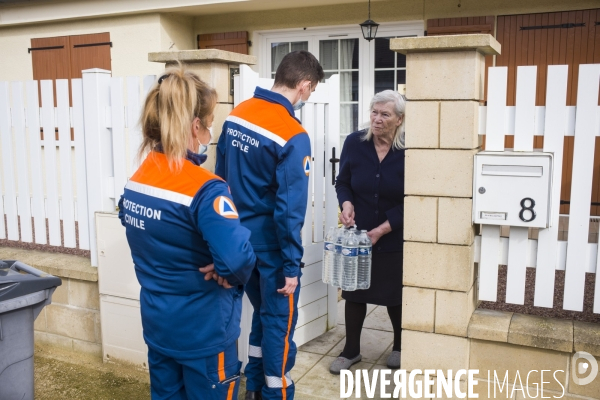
(64, 375)
(557, 312)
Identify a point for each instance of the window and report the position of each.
(340, 56)
(364, 67)
(280, 50)
(390, 67)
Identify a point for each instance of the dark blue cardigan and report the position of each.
(376, 189)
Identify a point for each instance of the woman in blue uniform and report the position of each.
(180, 219)
(370, 190)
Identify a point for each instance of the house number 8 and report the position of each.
(527, 208)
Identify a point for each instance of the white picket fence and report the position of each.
(64, 180)
(554, 121)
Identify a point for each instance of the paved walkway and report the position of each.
(311, 372)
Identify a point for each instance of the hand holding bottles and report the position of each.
(347, 259)
(347, 215)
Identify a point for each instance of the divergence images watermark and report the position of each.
(436, 384)
(581, 369)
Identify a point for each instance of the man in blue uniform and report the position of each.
(264, 155)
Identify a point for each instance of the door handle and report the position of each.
(333, 160)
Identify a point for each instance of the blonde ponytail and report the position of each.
(172, 103)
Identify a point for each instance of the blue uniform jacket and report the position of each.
(175, 223)
(264, 155)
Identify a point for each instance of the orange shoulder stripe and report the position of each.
(272, 117)
(155, 172)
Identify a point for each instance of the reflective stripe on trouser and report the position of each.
(277, 381)
(210, 378)
(273, 323)
(254, 351)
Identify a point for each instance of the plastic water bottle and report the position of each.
(365, 247)
(328, 255)
(336, 270)
(349, 261)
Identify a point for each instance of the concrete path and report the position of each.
(311, 372)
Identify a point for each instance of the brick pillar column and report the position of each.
(215, 68)
(445, 82)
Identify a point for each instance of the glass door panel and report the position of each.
(341, 56)
(390, 67)
(281, 49)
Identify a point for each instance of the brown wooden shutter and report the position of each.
(560, 38)
(64, 57)
(50, 58)
(89, 51)
(236, 42)
(459, 26)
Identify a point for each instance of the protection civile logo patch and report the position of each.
(225, 207)
(306, 165)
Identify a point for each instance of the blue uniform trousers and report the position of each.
(272, 351)
(211, 378)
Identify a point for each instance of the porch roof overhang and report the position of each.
(19, 12)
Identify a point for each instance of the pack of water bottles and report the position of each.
(347, 259)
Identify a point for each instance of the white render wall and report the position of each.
(133, 37)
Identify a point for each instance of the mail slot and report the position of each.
(512, 188)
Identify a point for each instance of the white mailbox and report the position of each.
(512, 188)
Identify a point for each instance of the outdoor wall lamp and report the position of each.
(369, 27)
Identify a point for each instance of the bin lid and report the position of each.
(18, 279)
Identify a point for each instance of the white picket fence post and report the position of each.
(554, 122)
(10, 196)
(35, 159)
(18, 118)
(495, 132)
(98, 149)
(81, 173)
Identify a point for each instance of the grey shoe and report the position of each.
(393, 360)
(341, 363)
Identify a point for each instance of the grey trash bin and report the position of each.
(24, 291)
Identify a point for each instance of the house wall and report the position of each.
(177, 33)
(133, 37)
(381, 11)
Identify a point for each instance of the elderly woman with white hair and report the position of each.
(370, 190)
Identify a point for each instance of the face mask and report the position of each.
(204, 147)
(300, 103)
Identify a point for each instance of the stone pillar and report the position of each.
(215, 68)
(445, 82)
